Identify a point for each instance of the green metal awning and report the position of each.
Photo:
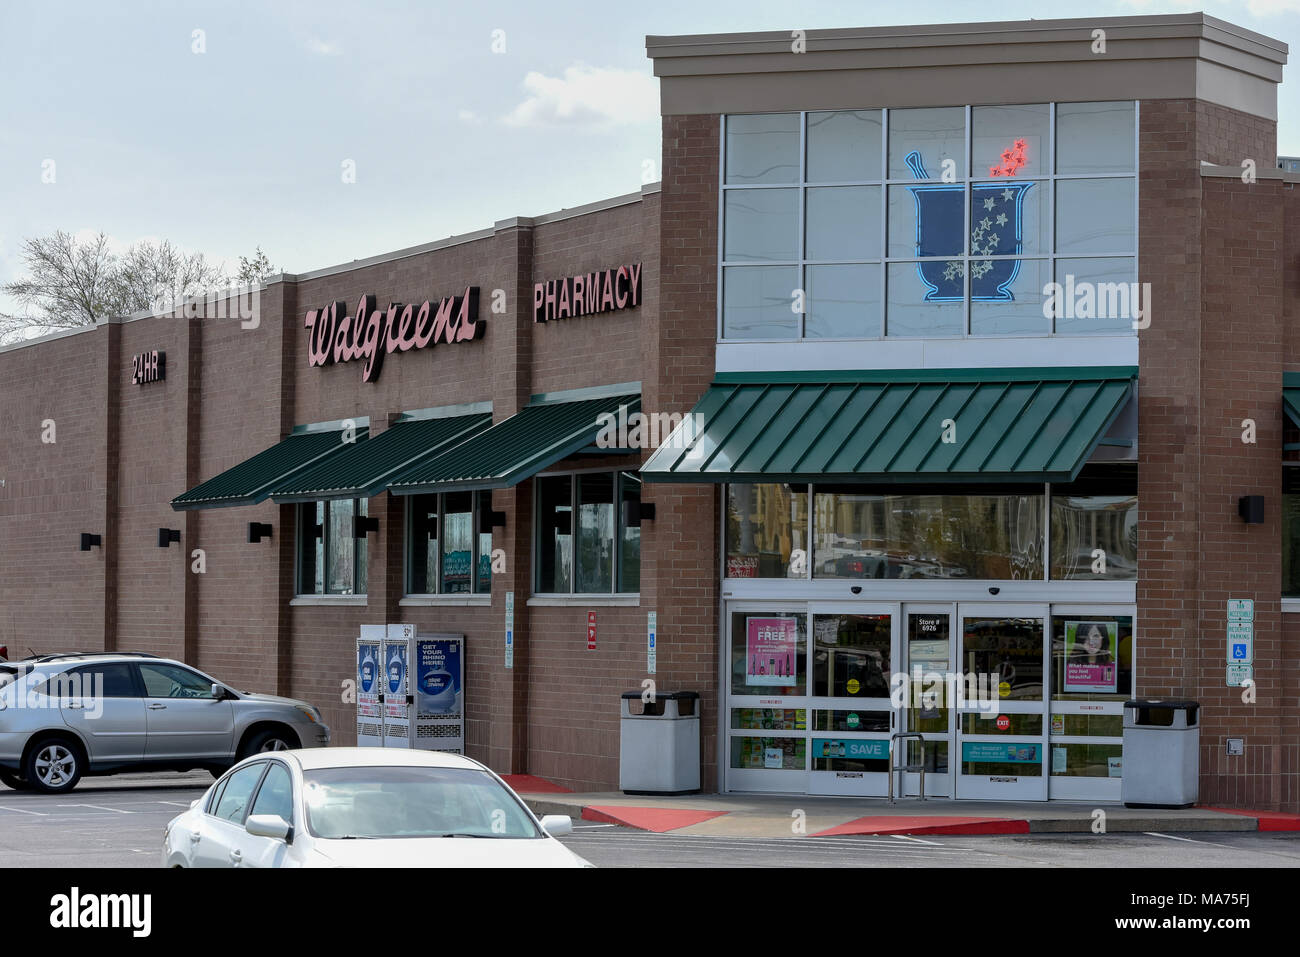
(364, 470)
(251, 481)
(548, 429)
(1291, 396)
(1001, 425)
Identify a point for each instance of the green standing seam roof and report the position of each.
(539, 435)
(1291, 396)
(364, 470)
(251, 481)
(1011, 425)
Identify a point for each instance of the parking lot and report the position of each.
(118, 822)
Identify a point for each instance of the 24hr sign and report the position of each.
(371, 333)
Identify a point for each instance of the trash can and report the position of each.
(1161, 756)
(660, 747)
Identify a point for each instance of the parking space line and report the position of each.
(97, 807)
(1174, 837)
(21, 811)
(905, 837)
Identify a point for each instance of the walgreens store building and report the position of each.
(985, 337)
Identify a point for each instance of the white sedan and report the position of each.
(363, 807)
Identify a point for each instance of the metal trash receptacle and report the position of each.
(659, 750)
(1161, 753)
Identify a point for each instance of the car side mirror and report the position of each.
(557, 825)
(269, 825)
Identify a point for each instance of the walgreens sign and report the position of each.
(370, 333)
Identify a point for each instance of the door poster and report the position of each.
(1090, 656)
(770, 651)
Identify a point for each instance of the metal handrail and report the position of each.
(899, 735)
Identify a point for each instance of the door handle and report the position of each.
(195, 838)
(236, 857)
(157, 707)
(74, 704)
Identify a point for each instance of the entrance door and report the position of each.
(927, 647)
(853, 652)
(1001, 733)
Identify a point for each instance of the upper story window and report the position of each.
(953, 221)
(588, 533)
(331, 558)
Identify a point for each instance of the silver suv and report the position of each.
(62, 716)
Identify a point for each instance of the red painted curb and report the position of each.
(928, 824)
(655, 819)
(1264, 820)
(531, 784)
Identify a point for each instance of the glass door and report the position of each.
(927, 662)
(767, 700)
(1001, 733)
(853, 653)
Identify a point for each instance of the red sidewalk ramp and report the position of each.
(1264, 820)
(531, 784)
(656, 819)
(928, 824)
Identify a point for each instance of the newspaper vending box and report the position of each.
(410, 689)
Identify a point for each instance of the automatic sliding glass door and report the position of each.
(1001, 722)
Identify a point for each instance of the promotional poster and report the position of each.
(770, 651)
(1090, 656)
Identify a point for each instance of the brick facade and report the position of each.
(1221, 257)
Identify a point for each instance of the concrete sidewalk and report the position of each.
(775, 816)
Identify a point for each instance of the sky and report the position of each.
(453, 115)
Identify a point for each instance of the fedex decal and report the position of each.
(371, 333)
(587, 294)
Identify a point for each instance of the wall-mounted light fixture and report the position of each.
(361, 524)
(488, 520)
(258, 531)
(634, 513)
(89, 541)
(1251, 509)
(168, 535)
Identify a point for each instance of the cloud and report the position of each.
(586, 95)
(468, 116)
(316, 45)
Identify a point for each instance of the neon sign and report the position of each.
(996, 229)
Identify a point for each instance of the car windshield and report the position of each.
(395, 802)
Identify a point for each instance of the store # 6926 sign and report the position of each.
(370, 333)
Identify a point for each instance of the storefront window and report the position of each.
(1092, 660)
(600, 551)
(448, 550)
(864, 535)
(331, 561)
(966, 208)
(1290, 530)
(1094, 525)
(768, 652)
(851, 656)
(766, 531)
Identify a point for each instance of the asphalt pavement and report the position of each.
(118, 822)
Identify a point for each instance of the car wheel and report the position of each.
(270, 740)
(11, 779)
(54, 766)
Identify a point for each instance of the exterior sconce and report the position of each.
(88, 541)
(168, 535)
(1251, 509)
(258, 531)
(634, 513)
(488, 520)
(361, 524)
